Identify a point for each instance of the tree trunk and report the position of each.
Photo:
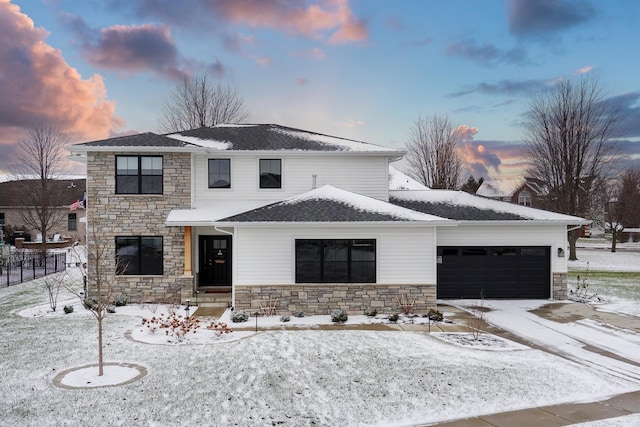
(573, 239)
(614, 240)
(100, 361)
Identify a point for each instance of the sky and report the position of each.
(360, 69)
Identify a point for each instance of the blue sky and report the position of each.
(361, 69)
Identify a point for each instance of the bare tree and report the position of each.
(433, 155)
(629, 198)
(569, 143)
(197, 102)
(101, 284)
(613, 214)
(41, 157)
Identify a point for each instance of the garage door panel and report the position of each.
(494, 272)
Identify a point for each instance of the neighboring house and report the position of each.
(530, 192)
(71, 224)
(266, 213)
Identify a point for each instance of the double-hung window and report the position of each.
(72, 222)
(138, 174)
(219, 173)
(139, 255)
(270, 173)
(335, 261)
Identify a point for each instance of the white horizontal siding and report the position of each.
(552, 235)
(363, 175)
(267, 256)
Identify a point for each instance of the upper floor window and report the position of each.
(219, 173)
(270, 173)
(1, 219)
(138, 174)
(72, 222)
(524, 199)
(139, 255)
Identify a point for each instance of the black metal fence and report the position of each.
(24, 266)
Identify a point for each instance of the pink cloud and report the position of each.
(314, 53)
(37, 85)
(332, 18)
(263, 61)
(302, 81)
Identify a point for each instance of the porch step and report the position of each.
(211, 299)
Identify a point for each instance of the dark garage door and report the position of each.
(494, 272)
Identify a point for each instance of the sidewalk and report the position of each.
(556, 415)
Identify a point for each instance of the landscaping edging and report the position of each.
(142, 372)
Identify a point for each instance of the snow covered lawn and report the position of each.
(301, 377)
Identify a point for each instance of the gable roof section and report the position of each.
(236, 138)
(147, 139)
(400, 181)
(323, 205)
(330, 204)
(461, 206)
(270, 137)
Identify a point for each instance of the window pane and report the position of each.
(219, 173)
(151, 255)
(270, 173)
(151, 184)
(151, 165)
(127, 184)
(72, 222)
(127, 165)
(336, 256)
(127, 256)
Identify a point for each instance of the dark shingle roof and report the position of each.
(147, 139)
(67, 191)
(275, 137)
(455, 212)
(317, 210)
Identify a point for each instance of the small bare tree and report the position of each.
(41, 156)
(433, 155)
(623, 205)
(569, 143)
(197, 102)
(52, 285)
(101, 282)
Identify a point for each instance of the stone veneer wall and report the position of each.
(110, 215)
(322, 298)
(560, 291)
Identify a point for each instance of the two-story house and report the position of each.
(266, 213)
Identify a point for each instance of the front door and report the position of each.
(215, 261)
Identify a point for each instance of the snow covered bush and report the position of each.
(298, 313)
(174, 325)
(239, 316)
(120, 301)
(338, 315)
(370, 312)
(68, 309)
(284, 318)
(219, 328)
(393, 318)
(435, 315)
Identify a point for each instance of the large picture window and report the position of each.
(139, 174)
(335, 261)
(219, 173)
(270, 173)
(139, 255)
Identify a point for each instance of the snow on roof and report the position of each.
(400, 181)
(363, 203)
(206, 213)
(499, 188)
(462, 199)
(345, 144)
(206, 143)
